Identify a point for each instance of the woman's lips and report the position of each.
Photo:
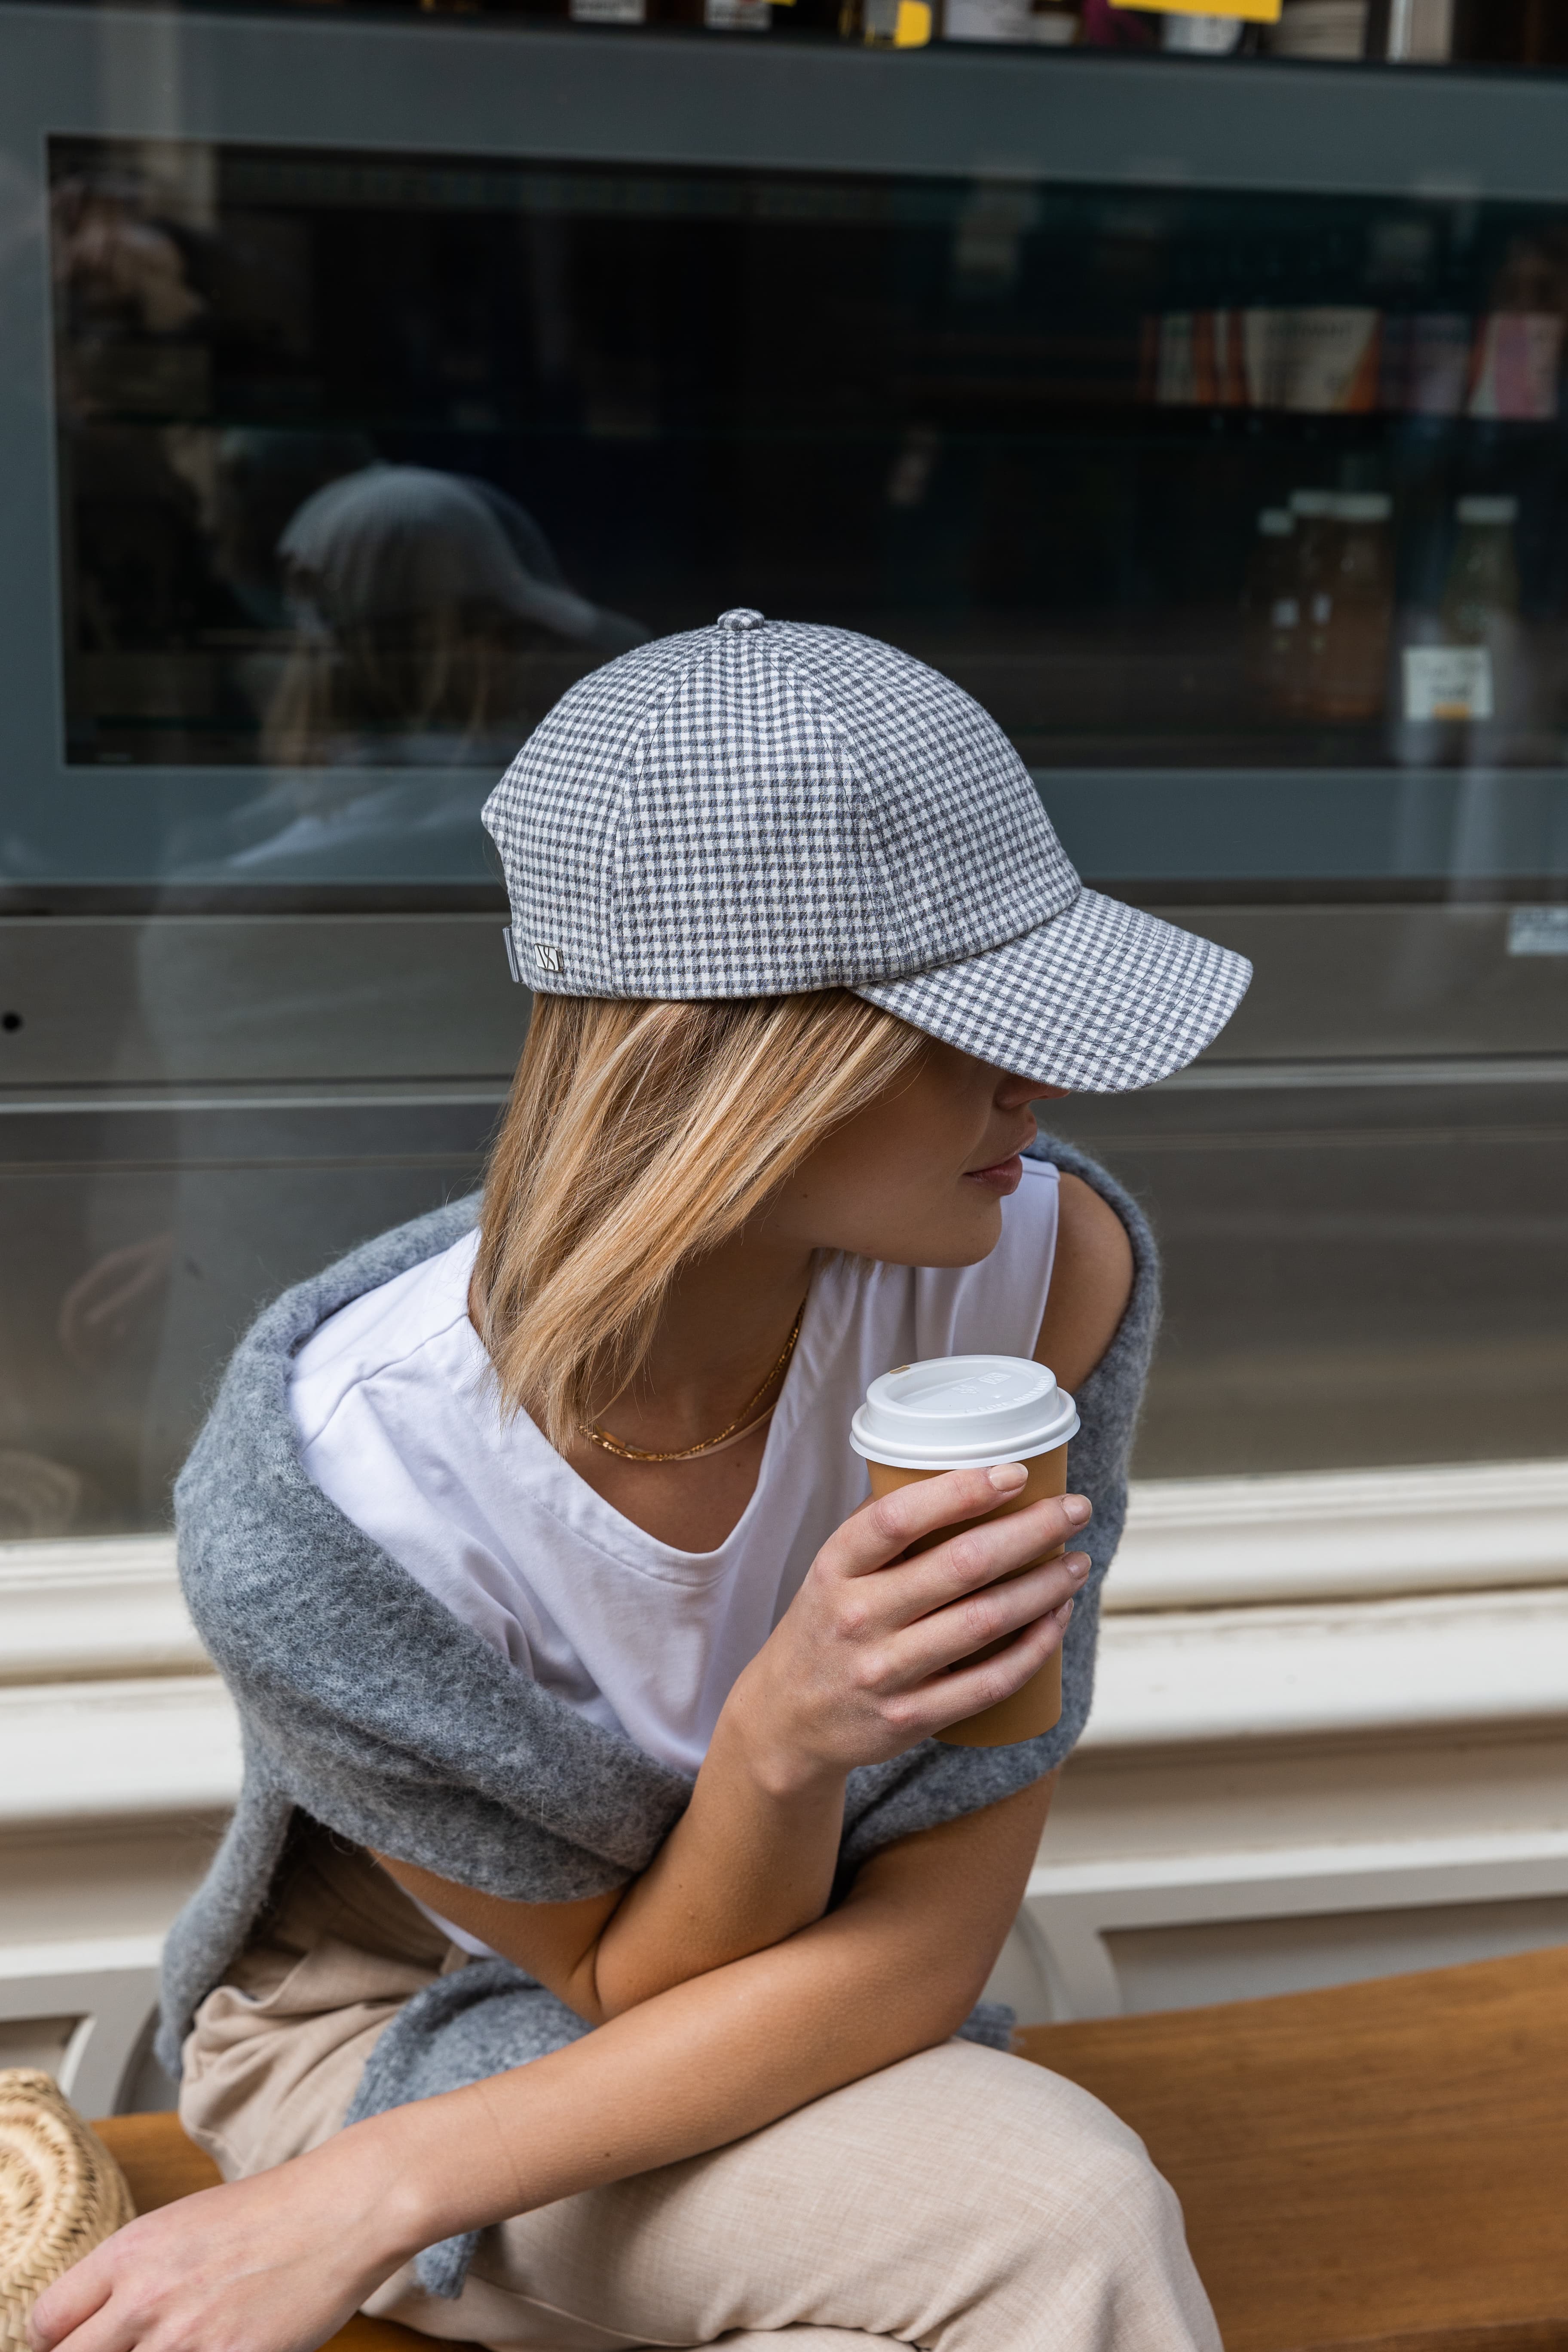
(1003, 1176)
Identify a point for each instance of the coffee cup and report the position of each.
(961, 1412)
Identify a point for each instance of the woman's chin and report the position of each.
(957, 1241)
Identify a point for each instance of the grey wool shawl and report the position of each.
(368, 1706)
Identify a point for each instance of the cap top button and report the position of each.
(740, 617)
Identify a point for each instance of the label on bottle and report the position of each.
(1200, 359)
(737, 16)
(1538, 930)
(609, 12)
(1447, 682)
(1329, 360)
(896, 24)
(987, 20)
(1321, 359)
(1284, 613)
(1256, 12)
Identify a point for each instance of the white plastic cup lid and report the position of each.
(955, 1411)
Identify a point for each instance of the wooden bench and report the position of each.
(1383, 2167)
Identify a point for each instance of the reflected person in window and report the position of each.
(593, 1959)
(428, 631)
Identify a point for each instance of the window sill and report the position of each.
(1250, 1609)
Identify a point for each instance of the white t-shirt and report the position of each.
(399, 1423)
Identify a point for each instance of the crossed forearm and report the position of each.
(286, 2255)
(750, 1862)
(685, 2070)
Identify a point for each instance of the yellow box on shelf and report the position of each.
(1256, 12)
(896, 24)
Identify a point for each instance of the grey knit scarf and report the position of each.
(367, 1705)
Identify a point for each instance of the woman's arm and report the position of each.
(275, 2264)
(1091, 1284)
(857, 1671)
(751, 1860)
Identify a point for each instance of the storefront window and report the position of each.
(1243, 507)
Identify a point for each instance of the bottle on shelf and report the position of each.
(1048, 24)
(1320, 28)
(1192, 34)
(1411, 32)
(1351, 660)
(1480, 615)
(1483, 577)
(714, 16)
(1056, 24)
(1271, 613)
(1464, 680)
(1315, 535)
(887, 24)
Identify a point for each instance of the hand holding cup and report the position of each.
(943, 1600)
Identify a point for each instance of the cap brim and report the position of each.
(1100, 1000)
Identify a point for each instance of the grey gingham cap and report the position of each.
(766, 807)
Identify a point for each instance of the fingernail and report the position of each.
(1008, 1476)
(1064, 1613)
(1079, 1567)
(1078, 1508)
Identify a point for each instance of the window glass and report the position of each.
(1248, 519)
(329, 466)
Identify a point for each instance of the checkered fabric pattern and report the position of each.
(764, 807)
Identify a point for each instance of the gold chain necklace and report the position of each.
(729, 1436)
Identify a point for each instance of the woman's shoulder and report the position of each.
(389, 1330)
(1091, 1282)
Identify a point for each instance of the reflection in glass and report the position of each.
(359, 456)
(422, 604)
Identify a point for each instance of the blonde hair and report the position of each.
(637, 1135)
(461, 668)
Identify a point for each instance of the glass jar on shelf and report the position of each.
(1313, 510)
(1350, 673)
(1320, 28)
(1464, 682)
(1271, 613)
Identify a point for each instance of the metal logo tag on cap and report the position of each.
(548, 959)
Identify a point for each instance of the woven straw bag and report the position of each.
(61, 2193)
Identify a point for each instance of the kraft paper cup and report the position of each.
(955, 1413)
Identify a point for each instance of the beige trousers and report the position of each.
(962, 2200)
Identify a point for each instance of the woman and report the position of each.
(588, 1706)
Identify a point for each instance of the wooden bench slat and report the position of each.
(1379, 2168)
(1531, 2335)
(159, 2162)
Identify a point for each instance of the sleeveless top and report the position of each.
(398, 1422)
